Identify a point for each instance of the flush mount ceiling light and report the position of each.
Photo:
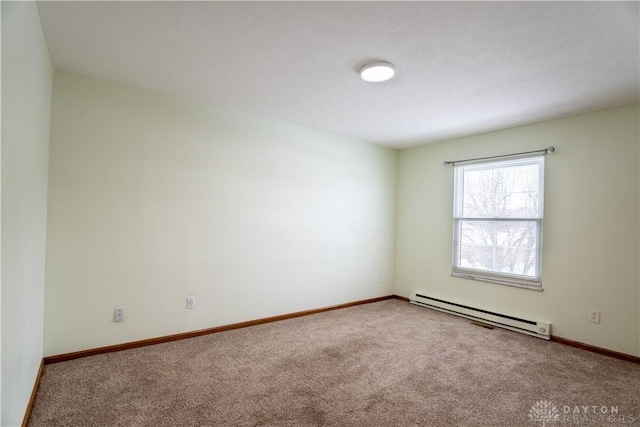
(376, 72)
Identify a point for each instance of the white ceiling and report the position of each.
(462, 67)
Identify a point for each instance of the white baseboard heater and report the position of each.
(525, 326)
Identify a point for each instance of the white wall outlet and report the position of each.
(118, 315)
(594, 316)
(191, 303)
(380, 278)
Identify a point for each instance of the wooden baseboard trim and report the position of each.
(168, 338)
(594, 349)
(32, 399)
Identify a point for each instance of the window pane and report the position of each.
(501, 191)
(509, 247)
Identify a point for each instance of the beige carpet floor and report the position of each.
(382, 364)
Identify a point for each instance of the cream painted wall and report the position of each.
(26, 103)
(591, 226)
(153, 198)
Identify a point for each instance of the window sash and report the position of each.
(493, 275)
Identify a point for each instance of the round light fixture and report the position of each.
(376, 72)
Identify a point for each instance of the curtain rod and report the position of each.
(544, 152)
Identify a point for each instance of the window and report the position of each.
(498, 212)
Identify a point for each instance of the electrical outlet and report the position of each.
(118, 315)
(594, 316)
(191, 303)
(380, 278)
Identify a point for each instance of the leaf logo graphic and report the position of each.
(543, 411)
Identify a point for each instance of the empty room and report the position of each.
(320, 214)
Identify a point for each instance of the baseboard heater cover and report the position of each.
(529, 327)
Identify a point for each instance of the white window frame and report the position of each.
(502, 278)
